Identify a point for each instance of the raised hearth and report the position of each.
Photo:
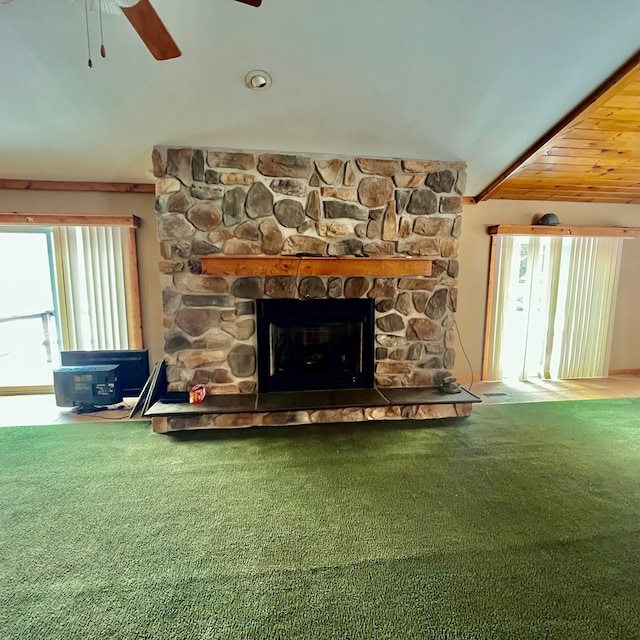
(303, 407)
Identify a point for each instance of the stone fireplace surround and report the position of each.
(220, 202)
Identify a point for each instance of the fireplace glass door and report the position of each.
(315, 344)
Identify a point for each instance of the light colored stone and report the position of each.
(304, 244)
(231, 420)
(205, 192)
(420, 166)
(350, 179)
(383, 413)
(433, 226)
(426, 247)
(449, 247)
(381, 248)
(461, 182)
(279, 165)
(383, 288)
(409, 181)
(391, 341)
(333, 229)
(348, 194)
(403, 303)
(374, 192)
(312, 208)
(272, 238)
(237, 178)
(241, 330)
(205, 216)
(329, 170)
(450, 204)
(328, 416)
(405, 227)
(378, 166)
(423, 329)
(436, 411)
(390, 222)
(167, 184)
(220, 235)
(230, 160)
(170, 266)
(236, 247)
(202, 358)
(457, 227)
(202, 284)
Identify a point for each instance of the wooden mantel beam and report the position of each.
(314, 266)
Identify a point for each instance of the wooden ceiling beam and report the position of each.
(626, 101)
(65, 185)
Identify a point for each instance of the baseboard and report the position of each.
(624, 372)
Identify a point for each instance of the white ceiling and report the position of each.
(436, 79)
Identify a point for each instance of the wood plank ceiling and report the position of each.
(593, 155)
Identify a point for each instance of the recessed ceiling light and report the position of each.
(257, 80)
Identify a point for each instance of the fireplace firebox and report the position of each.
(315, 344)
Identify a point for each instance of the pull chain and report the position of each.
(103, 51)
(86, 18)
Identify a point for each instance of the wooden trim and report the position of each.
(468, 200)
(624, 372)
(132, 293)
(69, 220)
(537, 146)
(489, 312)
(308, 266)
(65, 185)
(543, 230)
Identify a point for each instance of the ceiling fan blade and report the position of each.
(150, 28)
(253, 3)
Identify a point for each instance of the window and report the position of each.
(64, 286)
(551, 306)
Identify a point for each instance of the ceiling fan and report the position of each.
(147, 23)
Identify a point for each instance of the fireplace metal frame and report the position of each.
(290, 312)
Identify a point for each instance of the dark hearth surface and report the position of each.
(300, 400)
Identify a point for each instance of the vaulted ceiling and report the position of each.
(462, 80)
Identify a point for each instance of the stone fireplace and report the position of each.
(214, 204)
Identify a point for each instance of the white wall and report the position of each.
(474, 271)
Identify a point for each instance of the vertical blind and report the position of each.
(92, 287)
(553, 307)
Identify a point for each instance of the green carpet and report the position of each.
(521, 521)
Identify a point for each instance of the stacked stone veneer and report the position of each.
(234, 203)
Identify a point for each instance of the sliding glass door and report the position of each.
(63, 287)
(551, 307)
(29, 318)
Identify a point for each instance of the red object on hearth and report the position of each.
(197, 393)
